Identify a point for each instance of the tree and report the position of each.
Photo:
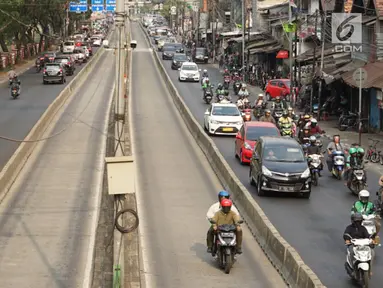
(20, 20)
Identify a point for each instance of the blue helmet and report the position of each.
(223, 194)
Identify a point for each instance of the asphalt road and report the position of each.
(313, 227)
(17, 117)
(176, 186)
(47, 219)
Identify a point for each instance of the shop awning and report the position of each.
(374, 76)
(282, 54)
(266, 49)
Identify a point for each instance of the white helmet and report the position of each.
(243, 85)
(314, 120)
(364, 196)
(313, 138)
(259, 95)
(204, 71)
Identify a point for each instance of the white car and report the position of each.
(97, 42)
(105, 43)
(80, 56)
(189, 72)
(68, 46)
(223, 119)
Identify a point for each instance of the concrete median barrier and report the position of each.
(281, 254)
(14, 165)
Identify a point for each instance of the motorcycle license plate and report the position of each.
(228, 129)
(286, 189)
(227, 234)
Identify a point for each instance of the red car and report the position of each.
(247, 137)
(278, 87)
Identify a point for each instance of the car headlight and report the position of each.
(266, 171)
(214, 122)
(306, 173)
(238, 123)
(247, 146)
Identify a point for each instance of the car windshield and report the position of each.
(225, 111)
(61, 60)
(287, 83)
(200, 51)
(178, 46)
(180, 58)
(253, 133)
(189, 68)
(280, 152)
(69, 43)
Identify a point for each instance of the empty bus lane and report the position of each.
(176, 188)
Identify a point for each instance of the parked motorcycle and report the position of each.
(315, 162)
(358, 263)
(338, 164)
(358, 180)
(225, 246)
(349, 120)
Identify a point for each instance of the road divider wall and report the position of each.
(284, 257)
(14, 165)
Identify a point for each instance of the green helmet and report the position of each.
(352, 150)
(360, 150)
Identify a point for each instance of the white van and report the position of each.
(68, 47)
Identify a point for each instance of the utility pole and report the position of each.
(120, 62)
(254, 14)
(213, 31)
(314, 62)
(291, 54)
(198, 21)
(296, 54)
(323, 36)
(243, 31)
(183, 18)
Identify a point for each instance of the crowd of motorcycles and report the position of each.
(357, 263)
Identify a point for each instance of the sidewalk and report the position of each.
(19, 69)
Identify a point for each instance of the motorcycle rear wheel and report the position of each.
(381, 159)
(374, 157)
(228, 263)
(315, 179)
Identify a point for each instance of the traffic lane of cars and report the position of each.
(174, 244)
(17, 117)
(314, 227)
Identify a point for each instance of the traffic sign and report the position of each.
(97, 8)
(110, 5)
(82, 6)
(173, 10)
(360, 76)
(110, 8)
(97, 2)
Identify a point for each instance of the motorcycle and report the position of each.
(277, 114)
(350, 120)
(226, 82)
(315, 110)
(236, 87)
(15, 91)
(208, 95)
(314, 161)
(338, 164)
(286, 129)
(358, 180)
(225, 243)
(358, 263)
(246, 114)
(369, 223)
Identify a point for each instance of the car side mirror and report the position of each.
(199, 70)
(377, 193)
(212, 221)
(240, 222)
(238, 136)
(207, 113)
(255, 156)
(242, 114)
(179, 69)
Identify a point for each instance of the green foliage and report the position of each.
(24, 21)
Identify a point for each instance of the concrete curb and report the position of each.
(14, 165)
(284, 257)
